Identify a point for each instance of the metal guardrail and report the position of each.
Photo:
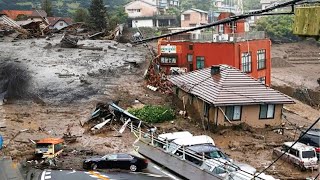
(155, 142)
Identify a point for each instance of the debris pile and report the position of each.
(16, 32)
(157, 80)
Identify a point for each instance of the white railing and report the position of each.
(159, 144)
(211, 37)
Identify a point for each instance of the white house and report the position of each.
(59, 22)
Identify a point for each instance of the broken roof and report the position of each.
(8, 21)
(13, 14)
(228, 87)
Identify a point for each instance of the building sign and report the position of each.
(168, 49)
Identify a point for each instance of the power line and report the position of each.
(223, 21)
(289, 147)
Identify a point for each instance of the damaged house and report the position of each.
(223, 95)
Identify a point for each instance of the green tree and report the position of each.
(278, 28)
(251, 5)
(176, 12)
(117, 16)
(98, 14)
(46, 5)
(81, 15)
(199, 4)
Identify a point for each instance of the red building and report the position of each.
(247, 51)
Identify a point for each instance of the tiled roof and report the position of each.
(13, 14)
(53, 20)
(229, 87)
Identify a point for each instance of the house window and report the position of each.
(261, 59)
(190, 46)
(262, 80)
(61, 24)
(186, 17)
(246, 62)
(267, 111)
(233, 113)
(190, 57)
(200, 62)
(168, 60)
(221, 28)
(206, 108)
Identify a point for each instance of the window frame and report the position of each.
(274, 109)
(186, 15)
(226, 112)
(198, 59)
(246, 61)
(188, 60)
(261, 61)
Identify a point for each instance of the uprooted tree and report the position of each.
(98, 14)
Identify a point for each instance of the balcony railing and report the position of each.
(211, 37)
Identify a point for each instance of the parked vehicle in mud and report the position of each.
(177, 145)
(49, 147)
(116, 161)
(204, 151)
(312, 138)
(233, 170)
(169, 137)
(301, 155)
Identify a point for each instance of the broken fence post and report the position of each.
(152, 143)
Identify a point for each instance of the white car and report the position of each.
(300, 155)
(233, 170)
(176, 144)
(169, 137)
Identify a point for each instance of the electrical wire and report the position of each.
(289, 147)
(223, 21)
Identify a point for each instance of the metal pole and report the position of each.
(167, 145)
(183, 153)
(131, 126)
(139, 133)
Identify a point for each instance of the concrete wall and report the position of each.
(145, 9)
(142, 23)
(249, 113)
(196, 18)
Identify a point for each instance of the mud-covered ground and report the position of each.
(66, 84)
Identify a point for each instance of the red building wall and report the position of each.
(220, 53)
(227, 28)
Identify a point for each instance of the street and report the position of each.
(88, 175)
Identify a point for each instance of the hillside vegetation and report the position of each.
(60, 7)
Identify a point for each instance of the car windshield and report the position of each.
(215, 154)
(308, 154)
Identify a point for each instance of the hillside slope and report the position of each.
(60, 7)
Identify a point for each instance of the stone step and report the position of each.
(304, 58)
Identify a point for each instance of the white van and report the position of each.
(300, 155)
(188, 141)
(169, 137)
(176, 135)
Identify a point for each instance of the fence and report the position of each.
(211, 37)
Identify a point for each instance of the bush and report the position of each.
(154, 114)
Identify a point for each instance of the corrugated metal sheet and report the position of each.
(8, 21)
(230, 87)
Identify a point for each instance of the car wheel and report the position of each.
(133, 168)
(94, 166)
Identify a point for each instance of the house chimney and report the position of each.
(215, 70)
